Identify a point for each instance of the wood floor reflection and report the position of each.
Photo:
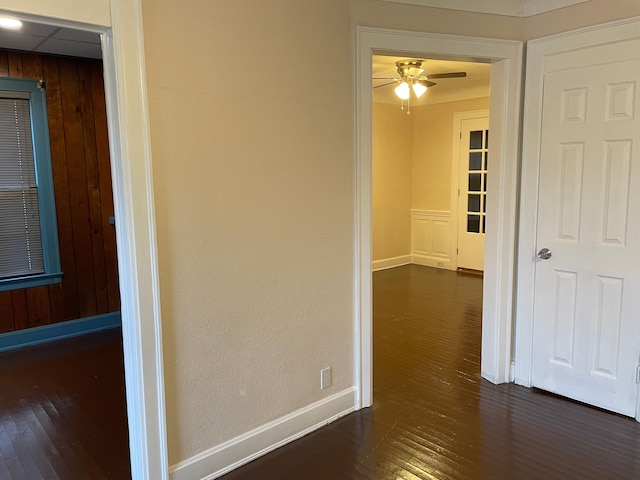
(63, 411)
(434, 417)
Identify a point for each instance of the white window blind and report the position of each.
(20, 236)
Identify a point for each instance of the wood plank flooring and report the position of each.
(434, 417)
(63, 411)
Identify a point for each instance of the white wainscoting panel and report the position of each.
(236, 452)
(431, 242)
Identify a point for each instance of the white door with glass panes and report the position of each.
(586, 337)
(472, 192)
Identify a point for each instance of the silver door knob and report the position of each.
(544, 254)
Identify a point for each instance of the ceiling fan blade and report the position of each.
(447, 75)
(384, 78)
(384, 84)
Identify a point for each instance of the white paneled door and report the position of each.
(587, 292)
(472, 191)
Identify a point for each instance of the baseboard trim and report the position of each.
(437, 262)
(223, 458)
(392, 262)
(58, 331)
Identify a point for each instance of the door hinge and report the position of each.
(638, 373)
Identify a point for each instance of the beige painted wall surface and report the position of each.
(432, 152)
(585, 14)
(391, 172)
(95, 12)
(251, 111)
(373, 13)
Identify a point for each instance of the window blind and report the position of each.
(20, 236)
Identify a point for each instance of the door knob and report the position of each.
(544, 254)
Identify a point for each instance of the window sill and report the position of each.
(29, 282)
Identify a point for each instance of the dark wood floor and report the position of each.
(434, 417)
(63, 411)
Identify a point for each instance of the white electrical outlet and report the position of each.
(325, 378)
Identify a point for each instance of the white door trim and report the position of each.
(540, 53)
(455, 175)
(506, 59)
(128, 124)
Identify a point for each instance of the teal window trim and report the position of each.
(44, 182)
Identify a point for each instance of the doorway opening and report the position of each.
(505, 58)
(429, 186)
(71, 154)
(135, 234)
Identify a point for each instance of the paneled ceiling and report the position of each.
(37, 37)
(474, 85)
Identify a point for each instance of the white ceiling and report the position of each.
(512, 8)
(474, 85)
(37, 37)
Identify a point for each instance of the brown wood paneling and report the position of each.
(20, 312)
(4, 64)
(38, 308)
(68, 294)
(82, 184)
(6, 312)
(15, 64)
(31, 66)
(77, 175)
(106, 191)
(93, 188)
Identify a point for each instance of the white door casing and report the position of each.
(472, 188)
(577, 332)
(505, 57)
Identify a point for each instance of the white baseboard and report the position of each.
(436, 262)
(390, 262)
(223, 458)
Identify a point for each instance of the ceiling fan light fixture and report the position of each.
(403, 91)
(419, 88)
(10, 23)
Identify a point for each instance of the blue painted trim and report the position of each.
(44, 173)
(58, 331)
(29, 282)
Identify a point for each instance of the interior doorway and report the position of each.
(506, 60)
(66, 65)
(135, 233)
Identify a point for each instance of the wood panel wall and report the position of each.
(84, 202)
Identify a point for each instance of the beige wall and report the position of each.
(373, 13)
(585, 14)
(432, 152)
(95, 12)
(251, 110)
(391, 172)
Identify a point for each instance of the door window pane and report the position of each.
(474, 182)
(474, 203)
(475, 140)
(475, 161)
(473, 223)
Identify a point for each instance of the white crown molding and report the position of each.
(511, 8)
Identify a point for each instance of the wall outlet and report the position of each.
(325, 378)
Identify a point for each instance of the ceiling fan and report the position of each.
(412, 78)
